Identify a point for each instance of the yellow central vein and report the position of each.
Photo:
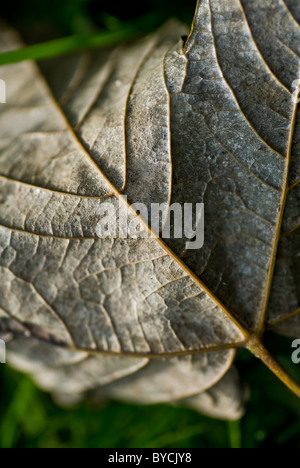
(278, 232)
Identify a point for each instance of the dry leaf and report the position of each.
(214, 120)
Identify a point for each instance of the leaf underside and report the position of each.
(212, 120)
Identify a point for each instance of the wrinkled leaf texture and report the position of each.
(210, 119)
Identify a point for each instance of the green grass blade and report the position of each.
(68, 45)
(235, 434)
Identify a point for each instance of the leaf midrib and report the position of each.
(119, 195)
(278, 232)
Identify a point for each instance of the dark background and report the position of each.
(29, 417)
(40, 19)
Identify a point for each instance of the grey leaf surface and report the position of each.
(212, 120)
(225, 400)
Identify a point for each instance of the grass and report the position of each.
(59, 47)
(113, 33)
(29, 417)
